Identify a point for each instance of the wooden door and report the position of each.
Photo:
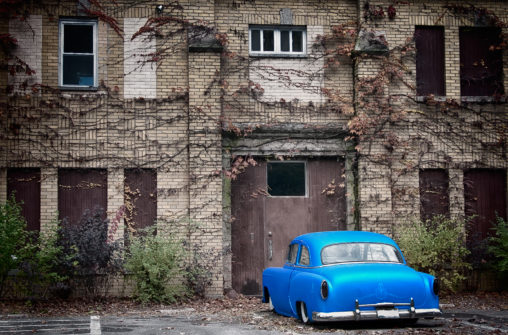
(264, 224)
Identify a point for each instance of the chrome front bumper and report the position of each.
(381, 311)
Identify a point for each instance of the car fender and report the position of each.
(306, 287)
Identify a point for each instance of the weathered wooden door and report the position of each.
(485, 196)
(265, 219)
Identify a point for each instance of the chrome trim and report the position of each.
(373, 315)
(357, 314)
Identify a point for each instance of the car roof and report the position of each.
(316, 241)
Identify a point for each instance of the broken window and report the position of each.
(430, 68)
(268, 40)
(78, 53)
(481, 61)
(286, 178)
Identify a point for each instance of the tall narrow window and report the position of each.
(430, 69)
(80, 190)
(25, 184)
(78, 53)
(434, 198)
(286, 178)
(140, 199)
(481, 61)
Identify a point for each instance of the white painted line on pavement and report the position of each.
(95, 325)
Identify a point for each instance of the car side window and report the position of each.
(292, 253)
(304, 256)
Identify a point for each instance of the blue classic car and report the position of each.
(349, 275)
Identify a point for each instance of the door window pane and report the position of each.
(286, 179)
(304, 256)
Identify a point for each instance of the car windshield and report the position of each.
(360, 252)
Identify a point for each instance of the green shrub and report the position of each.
(157, 264)
(436, 247)
(41, 269)
(13, 237)
(498, 246)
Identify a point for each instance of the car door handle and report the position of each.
(270, 250)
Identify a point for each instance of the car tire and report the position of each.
(304, 316)
(270, 304)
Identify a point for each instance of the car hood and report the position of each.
(372, 283)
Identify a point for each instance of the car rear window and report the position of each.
(360, 252)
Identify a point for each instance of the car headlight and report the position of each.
(324, 289)
(436, 286)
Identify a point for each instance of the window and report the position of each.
(360, 252)
(140, 194)
(484, 198)
(430, 68)
(25, 184)
(304, 256)
(78, 54)
(481, 61)
(80, 190)
(277, 41)
(434, 199)
(292, 253)
(286, 179)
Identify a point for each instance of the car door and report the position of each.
(280, 287)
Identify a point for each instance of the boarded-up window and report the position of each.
(26, 186)
(430, 69)
(79, 190)
(434, 198)
(485, 195)
(481, 61)
(140, 198)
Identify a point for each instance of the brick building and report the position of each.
(330, 128)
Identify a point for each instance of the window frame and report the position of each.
(306, 181)
(277, 52)
(61, 53)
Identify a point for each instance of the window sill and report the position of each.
(79, 88)
(483, 99)
(425, 98)
(279, 55)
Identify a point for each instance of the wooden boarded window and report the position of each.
(25, 184)
(485, 196)
(79, 190)
(430, 60)
(140, 198)
(481, 61)
(434, 199)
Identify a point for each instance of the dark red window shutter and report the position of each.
(481, 61)
(430, 68)
(25, 183)
(141, 198)
(79, 190)
(434, 198)
(485, 196)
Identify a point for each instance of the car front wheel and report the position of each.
(303, 313)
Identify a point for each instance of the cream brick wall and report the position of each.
(28, 33)
(291, 79)
(140, 76)
(49, 197)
